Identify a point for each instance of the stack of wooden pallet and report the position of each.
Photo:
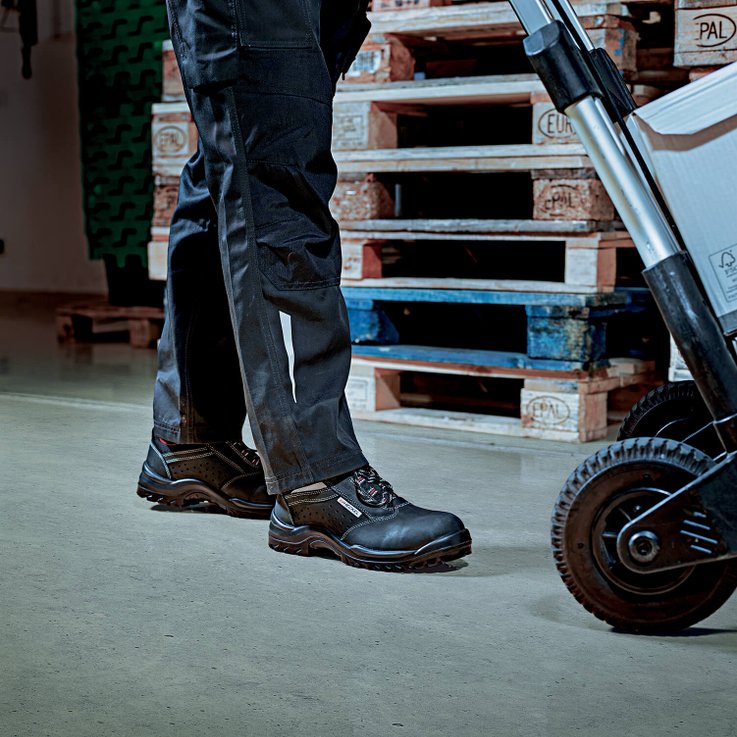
(483, 262)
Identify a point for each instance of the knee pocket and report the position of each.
(297, 239)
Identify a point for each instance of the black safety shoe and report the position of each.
(363, 522)
(227, 475)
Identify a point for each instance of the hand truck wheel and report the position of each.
(676, 411)
(608, 490)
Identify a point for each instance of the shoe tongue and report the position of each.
(371, 489)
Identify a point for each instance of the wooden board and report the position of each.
(493, 89)
(485, 297)
(480, 229)
(490, 20)
(496, 285)
(513, 157)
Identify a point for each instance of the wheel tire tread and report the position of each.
(671, 451)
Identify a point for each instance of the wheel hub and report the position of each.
(644, 546)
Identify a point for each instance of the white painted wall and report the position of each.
(41, 218)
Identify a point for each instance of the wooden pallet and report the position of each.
(396, 36)
(589, 259)
(94, 321)
(563, 405)
(366, 115)
(553, 331)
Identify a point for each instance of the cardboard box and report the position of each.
(689, 139)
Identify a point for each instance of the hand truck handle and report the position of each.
(559, 59)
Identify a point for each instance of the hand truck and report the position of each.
(644, 532)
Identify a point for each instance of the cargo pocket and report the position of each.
(274, 24)
(296, 238)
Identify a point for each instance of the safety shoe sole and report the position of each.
(183, 493)
(305, 540)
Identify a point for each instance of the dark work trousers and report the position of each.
(254, 254)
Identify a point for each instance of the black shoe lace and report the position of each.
(372, 489)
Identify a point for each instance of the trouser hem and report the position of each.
(317, 471)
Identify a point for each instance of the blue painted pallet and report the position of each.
(464, 356)
(569, 329)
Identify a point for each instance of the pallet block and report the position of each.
(706, 33)
(570, 195)
(174, 138)
(361, 197)
(548, 124)
(379, 5)
(166, 195)
(699, 72)
(569, 406)
(362, 125)
(361, 259)
(158, 254)
(381, 59)
(677, 370)
(172, 85)
(87, 321)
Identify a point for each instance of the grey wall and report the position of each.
(41, 218)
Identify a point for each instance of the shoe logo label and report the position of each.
(355, 512)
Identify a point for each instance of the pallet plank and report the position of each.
(499, 158)
(474, 20)
(495, 89)
(488, 297)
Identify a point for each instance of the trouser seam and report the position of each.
(245, 203)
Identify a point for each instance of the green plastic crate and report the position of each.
(119, 62)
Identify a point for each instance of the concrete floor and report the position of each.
(116, 619)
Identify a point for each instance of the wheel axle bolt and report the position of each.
(644, 546)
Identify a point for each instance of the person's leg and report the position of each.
(198, 396)
(266, 137)
(196, 454)
(198, 401)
